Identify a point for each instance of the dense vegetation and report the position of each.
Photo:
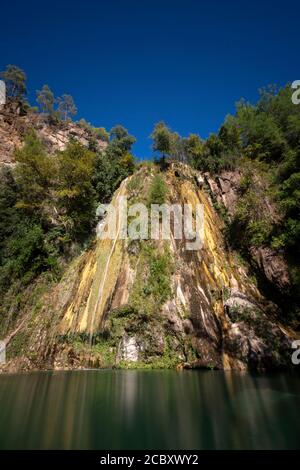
(263, 141)
(48, 203)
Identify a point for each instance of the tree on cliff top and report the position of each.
(162, 139)
(15, 80)
(66, 106)
(46, 99)
(167, 142)
(120, 143)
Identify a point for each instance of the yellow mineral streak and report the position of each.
(97, 281)
(82, 292)
(215, 263)
(107, 265)
(218, 268)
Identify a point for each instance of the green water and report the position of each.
(149, 410)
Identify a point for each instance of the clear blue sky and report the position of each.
(137, 62)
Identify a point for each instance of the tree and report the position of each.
(46, 99)
(15, 81)
(230, 135)
(8, 212)
(24, 253)
(121, 142)
(35, 173)
(109, 173)
(101, 133)
(162, 139)
(27, 252)
(66, 106)
(75, 192)
(104, 177)
(158, 191)
(193, 149)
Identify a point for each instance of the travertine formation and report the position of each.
(214, 316)
(105, 313)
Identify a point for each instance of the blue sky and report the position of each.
(137, 62)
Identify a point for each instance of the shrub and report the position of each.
(158, 191)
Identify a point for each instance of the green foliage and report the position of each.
(194, 149)
(60, 188)
(158, 191)
(75, 192)
(135, 183)
(114, 164)
(230, 135)
(26, 246)
(9, 215)
(47, 209)
(66, 106)
(109, 173)
(46, 99)
(120, 143)
(48, 202)
(15, 81)
(271, 133)
(105, 179)
(289, 196)
(26, 253)
(248, 315)
(265, 139)
(34, 173)
(96, 133)
(263, 142)
(159, 274)
(168, 360)
(153, 285)
(216, 153)
(164, 140)
(250, 226)
(101, 133)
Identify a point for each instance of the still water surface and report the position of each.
(149, 409)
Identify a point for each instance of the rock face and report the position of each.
(131, 303)
(224, 189)
(13, 128)
(154, 303)
(274, 267)
(238, 300)
(252, 337)
(128, 349)
(10, 138)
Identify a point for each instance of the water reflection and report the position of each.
(149, 409)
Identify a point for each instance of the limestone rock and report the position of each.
(14, 126)
(128, 349)
(209, 312)
(274, 267)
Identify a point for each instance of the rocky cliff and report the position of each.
(224, 190)
(152, 303)
(14, 125)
